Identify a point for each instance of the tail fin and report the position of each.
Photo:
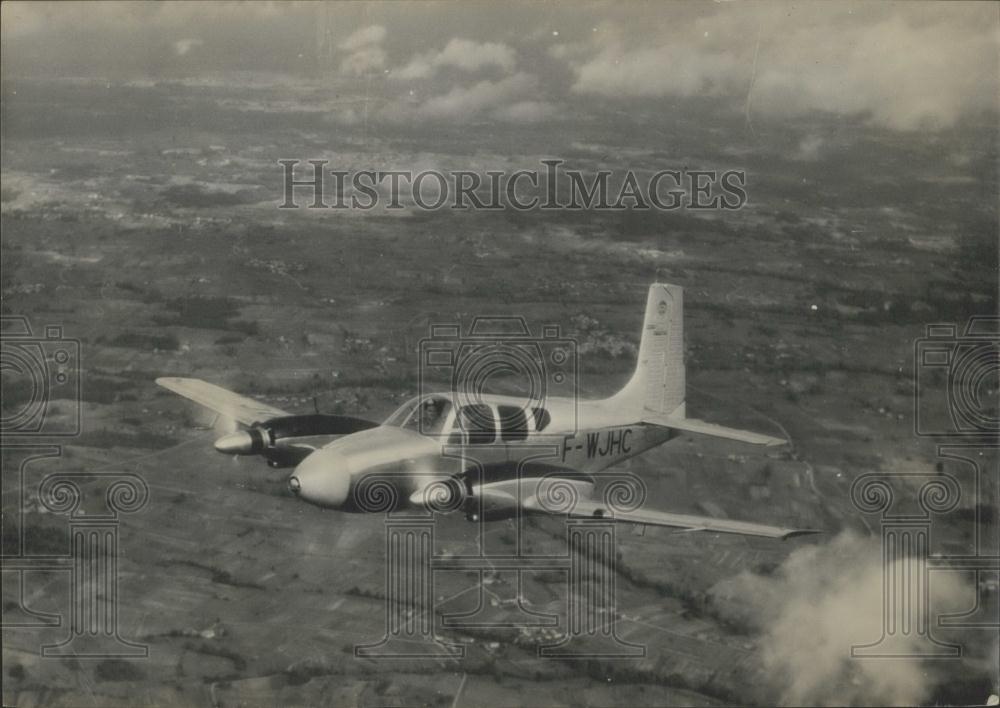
(655, 394)
(658, 384)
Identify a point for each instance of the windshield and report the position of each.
(426, 415)
(402, 413)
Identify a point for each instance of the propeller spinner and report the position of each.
(261, 437)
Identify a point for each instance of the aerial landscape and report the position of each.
(140, 213)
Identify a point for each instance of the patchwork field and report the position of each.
(143, 219)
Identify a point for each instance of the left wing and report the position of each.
(232, 405)
(570, 496)
(588, 508)
(582, 507)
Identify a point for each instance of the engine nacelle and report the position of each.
(252, 441)
(261, 437)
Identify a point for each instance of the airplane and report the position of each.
(448, 451)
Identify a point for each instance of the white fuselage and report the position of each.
(577, 437)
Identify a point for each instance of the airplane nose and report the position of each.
(323, 478)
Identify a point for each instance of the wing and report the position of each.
(580, 508)
(239, 408)
(693, 425)
(570, 497)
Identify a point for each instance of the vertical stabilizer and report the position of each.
(658, 384)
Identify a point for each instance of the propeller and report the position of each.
(260, 438)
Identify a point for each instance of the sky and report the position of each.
(905, 66)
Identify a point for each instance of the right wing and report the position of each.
(232, 405)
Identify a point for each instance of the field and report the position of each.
(143, 219)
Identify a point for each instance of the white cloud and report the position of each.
(511, 100)
(525, 112)
(363, 61)
(905, 67)
(569, 50)
(461, 54)
(365, 53)
(418, 68)
(823, 600)
(811, 147)
(183, 46)
(657, 71)
(364, 37)
(464, 102)
(472, 56)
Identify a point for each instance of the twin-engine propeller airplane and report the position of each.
(481, 453)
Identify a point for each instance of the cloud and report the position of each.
(810, 148)
(659, 71)
(364, 37)
(363, 61)
(905, 75)
(819, 603)
(900, 65)
(905, 67)
(365, 52)
(461, 54)
(505, 99)
(469, 101)
(509, 100)
(183, 46)
(569, 50)
(525, 112)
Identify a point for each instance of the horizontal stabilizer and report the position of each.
(693, 425)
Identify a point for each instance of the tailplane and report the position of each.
(656, 392)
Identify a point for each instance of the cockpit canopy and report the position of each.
(476, 423)
(423, 414)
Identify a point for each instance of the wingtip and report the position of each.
(774, 442)
(793, 533)
(174, 384)
(168, 381)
